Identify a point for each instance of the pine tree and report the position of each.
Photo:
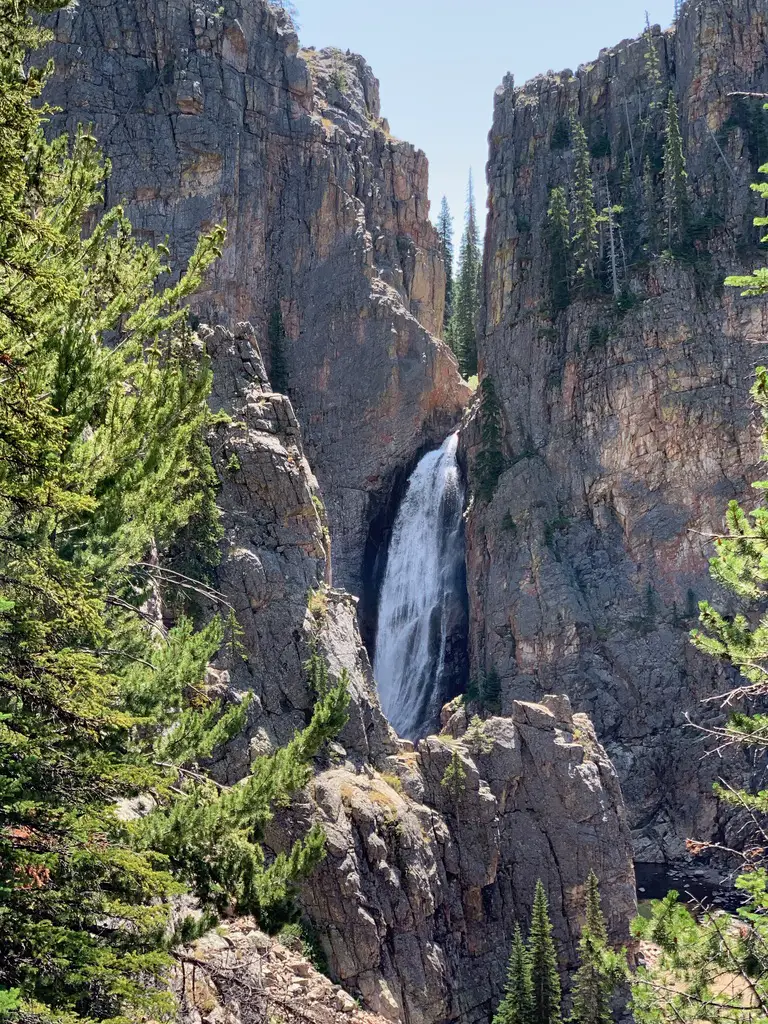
(445, 234)
(585, 219)
(755, 283)
(490, 459)
(558, 238)
(651, 211)
(455, 776)
(676, 199)
(463, 326)
(600, 970)
(652, 65)
(278, 368)
(516, 1006)
(630, 213)
(545, 980)
(686, 984)
(104, 468)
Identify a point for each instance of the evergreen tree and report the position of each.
(651, 211)
(676, 200)
(585, 219)
(558, 237)
(600, 970)
(630, 213)
(455, 776)
(517, 1005)
(545, 980)
(652, 65)
(463, 326)
(104, 468)
(490, 459)
(756, 283)
(445, 234)
(686, 985)
(278, 369)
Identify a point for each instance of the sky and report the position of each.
(440, 61)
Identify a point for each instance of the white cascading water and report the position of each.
(419, 594)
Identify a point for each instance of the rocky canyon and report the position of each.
(624, 429)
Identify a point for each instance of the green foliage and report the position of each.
(462, 333)
(278, 367)
(104, 472)
(755, 283)
(652, 66)
(601, 970)
(651, 207)
(558, 243)
(455, 776)
(517, 1005)
(485, 691)
(445, 235)
(301, 936)
(748, 114)
(561, 135)
(630, 209)
(476, 738)
(490, 460)
(676, 197)
(545, 980)
(600, 147)
(585, 219)
(698, 953)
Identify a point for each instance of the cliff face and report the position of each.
(423, 883)
(627, 425)
(211, 113)
(417, 899)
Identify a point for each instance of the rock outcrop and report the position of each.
(239, 975)
(627, 424)
(275, 566)
(209, 112)
(417, 900)
(423, 883)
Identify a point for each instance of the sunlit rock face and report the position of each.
(626, 430)
(210, 112)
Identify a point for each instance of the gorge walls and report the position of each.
(212, 112)
(209, 112)
(627, 424)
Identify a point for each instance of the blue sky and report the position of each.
(439, 62)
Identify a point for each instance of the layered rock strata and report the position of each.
(627, 424)
(210, 113)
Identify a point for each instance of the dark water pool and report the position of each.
(707, 886)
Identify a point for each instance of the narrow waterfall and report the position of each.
(421, 634)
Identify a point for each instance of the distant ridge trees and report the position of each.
(445, 234)
(466, 295)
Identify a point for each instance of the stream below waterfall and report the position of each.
(420, 656)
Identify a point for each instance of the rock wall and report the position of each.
(627, 425)
(275, 566)
(418, 897)
(209, 112)
(416, 902)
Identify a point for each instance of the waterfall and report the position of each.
(422, 608)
